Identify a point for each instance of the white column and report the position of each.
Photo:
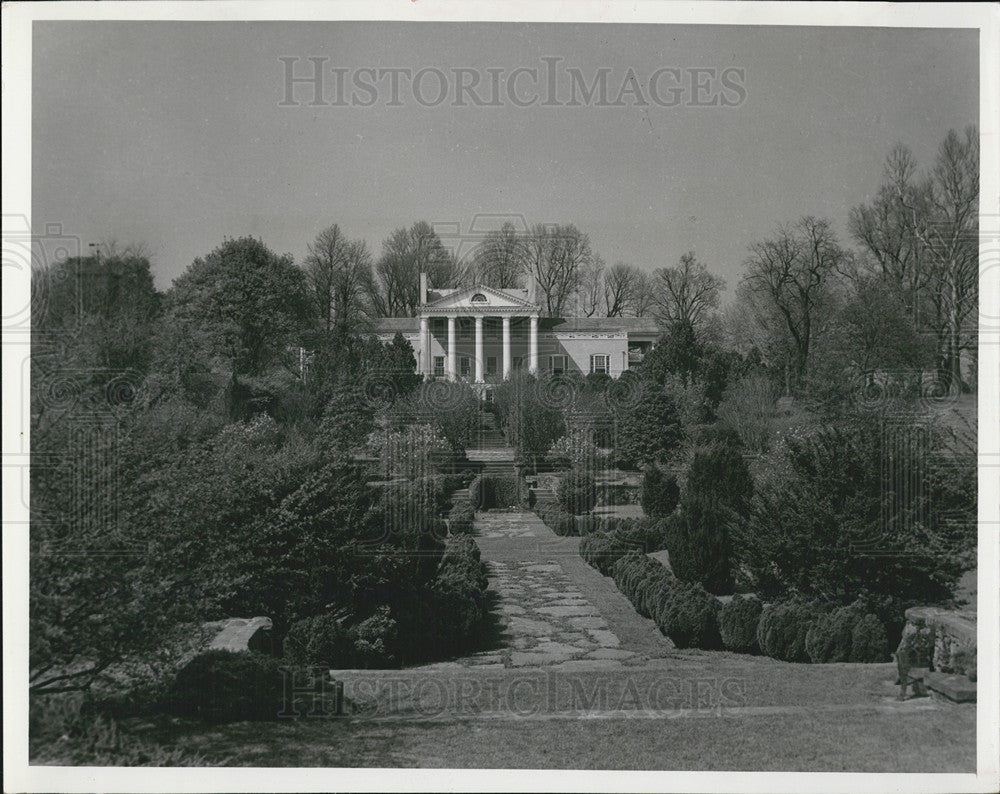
(479, 349)
(452, 352)
(506, 347)
(533, 345)
(425, 348)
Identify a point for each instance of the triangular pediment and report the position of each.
(481, 297)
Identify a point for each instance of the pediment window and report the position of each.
(479, 298)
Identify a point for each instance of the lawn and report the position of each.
(694, 710)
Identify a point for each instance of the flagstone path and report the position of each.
(554, 610)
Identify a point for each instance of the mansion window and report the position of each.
(465, 366)
(465, 328)
(491, 365)
(557, 364)
(439, 366)
(479, 298)
(599, 365)
(492, 328)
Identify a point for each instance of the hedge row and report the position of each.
(683, 611)
(802, 631)
(606, 540)
(489, 491)
(577, 491)
(555, 516)
(793, 631)
(461, 517)
(738, 620)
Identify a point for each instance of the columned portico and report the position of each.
(474, 307)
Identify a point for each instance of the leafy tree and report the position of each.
(677, 352)
(452, 407)
(530, 412)
(871, 507)
(246, 302)
(348, 418)
(648, 424)
(698, 540)
(101, 307)
(660, 493)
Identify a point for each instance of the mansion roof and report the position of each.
(643, 326)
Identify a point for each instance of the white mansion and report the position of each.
(482, 334)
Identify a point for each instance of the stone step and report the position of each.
(500, 454)
(954, 687)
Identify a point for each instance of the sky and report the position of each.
(177, 135)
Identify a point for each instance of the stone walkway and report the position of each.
(554, 611)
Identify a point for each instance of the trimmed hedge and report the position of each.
(869, 641)
(601, 549)
(577, 492)
(781, 633)
(460, 596)
(331, 641)
(223, 686)
(685, 612)
(829, 636)
(555, 517)
(847, 634)
(660, 492)
(738, 622)
(588, 525)
(322, 640)
(489, 491)
(690, 617)
(461, 517)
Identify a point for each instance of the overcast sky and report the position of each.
(172, 135)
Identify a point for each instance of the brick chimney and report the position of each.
(423, 288)
(531, 287)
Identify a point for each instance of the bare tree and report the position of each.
(947, 226)
(337, 272)
(640, 299)
(591, 289)
(685, 293)
(787, 278)
(619, 287)
(557, 254)
(501, 259)
(921, 235)
(394, 291)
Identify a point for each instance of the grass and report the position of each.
(694, 710)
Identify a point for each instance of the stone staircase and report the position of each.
(491, 448)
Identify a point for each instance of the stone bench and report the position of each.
(242, 634)
(938, 652)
